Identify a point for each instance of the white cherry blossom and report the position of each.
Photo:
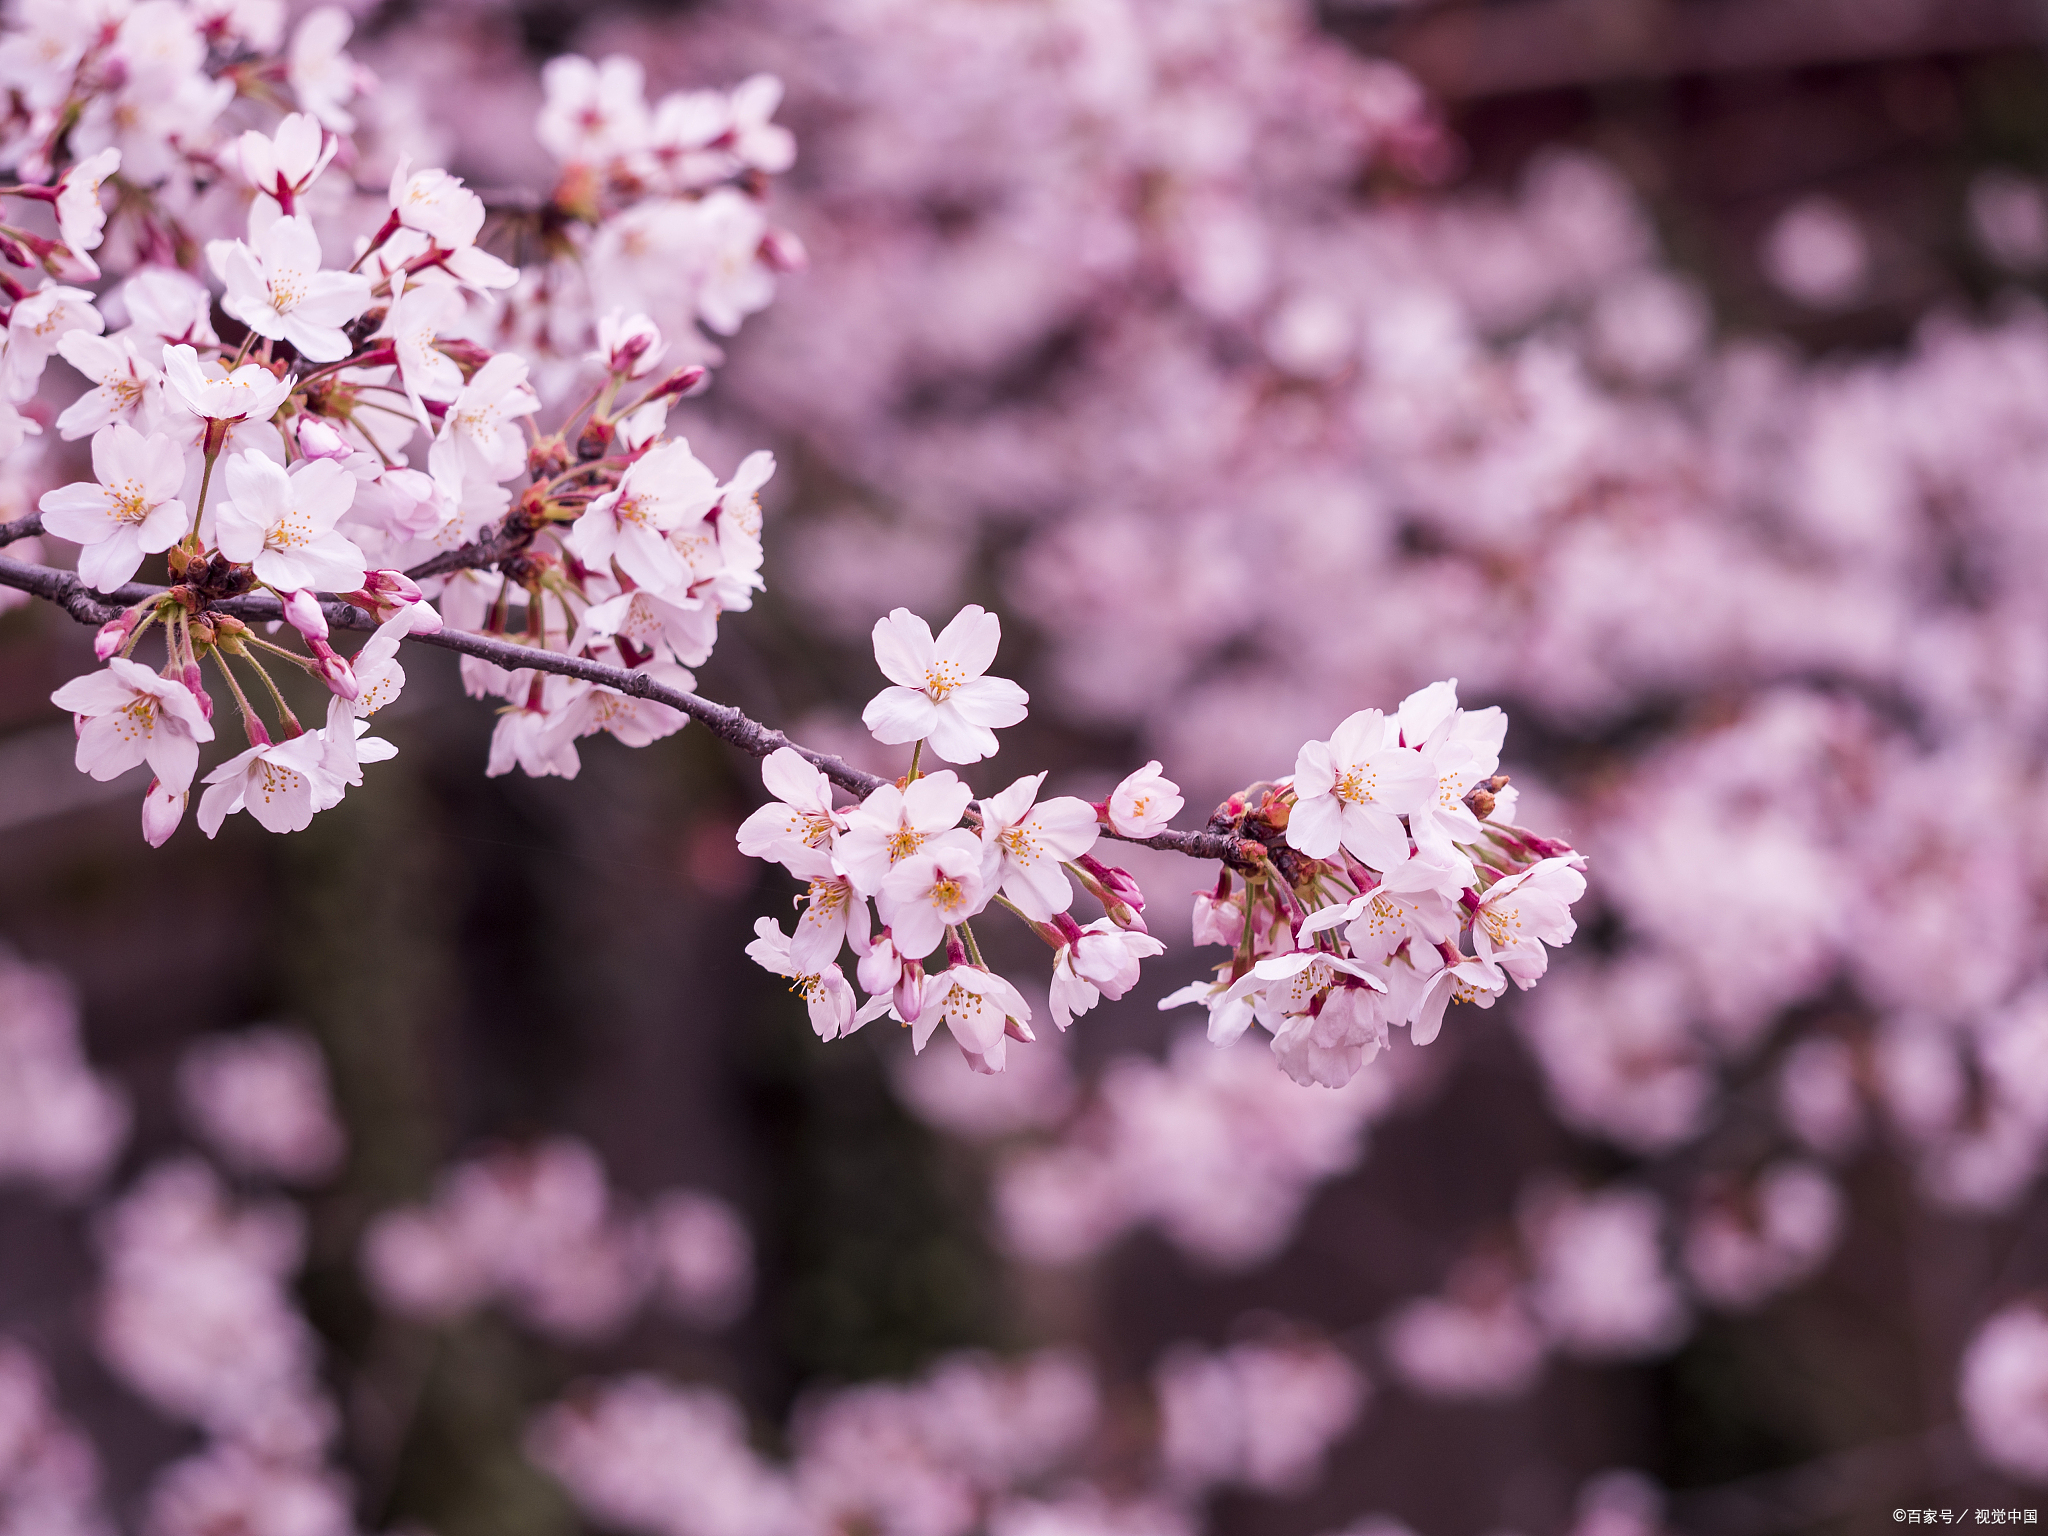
(34, 328)
(891, 824)
(250, 393)
(81, 220)
(125, 385)
(478, 440)
(321, 75)
(279, 783)
(941, 695)
(283, 523)
(1519, 915)
(799, 819)
(128, 715)
(826, 993)
(1026, 844)
(665, 489)
(277, 289)
(1352, 790)
(833, 913)
(133, 511)
(284, 164)
(925, 893)
(593, 111)
(1145, 803)
(1098, 961)
(979, 1007)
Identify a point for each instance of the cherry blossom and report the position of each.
(979, 1007)
(1144, 804)
(477, 440)
(275, 286)
(893, 824)
(1519, 915)
(250, 393)
(1098, 961)
(1026, 845)
(282, 165)
(1351, 791)
(928, 892)
(825, 991)
(282, 522)
(126, 386)
(941, 695)
(80, 218)
(800, 818)
(659, 492)
(128, 715)
(133, 511)
(281, 784)
(35, 326)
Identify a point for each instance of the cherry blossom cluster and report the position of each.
(974, 1445)
(356, 424)
(1364, 871)
(541, 1233)
(1398, 848)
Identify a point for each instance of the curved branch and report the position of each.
(21, 528)
(729, 724)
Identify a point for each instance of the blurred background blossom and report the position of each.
(1673, 375)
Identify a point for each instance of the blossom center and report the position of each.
(941, 678)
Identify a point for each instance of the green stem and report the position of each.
(973, 949)
(205, 480)
(916, 756)
(252, 723)
(289, 720)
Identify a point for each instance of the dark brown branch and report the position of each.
(749, 735)
(21, 528)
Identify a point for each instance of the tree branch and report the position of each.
(749, 735)
(21, 528)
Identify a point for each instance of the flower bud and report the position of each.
(783, 252)
(302, 612)
(335, 671)
(681, 382)
(631, 344)
(114, 633)
(197, 687)
(162, 809)
(317, 439)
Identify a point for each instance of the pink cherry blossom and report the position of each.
(133, 511)
(282, 523)
(277, 289)
(1027, 844)
(128, 715)
(941, 695)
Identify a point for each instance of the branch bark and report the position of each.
(88, 607)
(21, 528)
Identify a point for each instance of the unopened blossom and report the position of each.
(133, 510)
(800, 817)
(281, 784)
(34, 328)
(128, 715)
(126, 386)
(276, 287)
(1352, 790)
(826, 993)
(894, 983)
(979, 1007)
(1100, 960)
(1145, 803)
(252, 392)
(941, 695)
(663, 490)
(478, 439)
(928, 892)
(629, 345)
(282, 523)
(282, 165)
(80, 218)
(892, 824)
(1519, 915)
(1026, 845)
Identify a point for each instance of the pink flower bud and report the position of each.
(114, 633)
(302, 612)
(319, 440)
(681, 382)
(909, 992)
(632, 344)
(335, 670)
(162, 809)
(197, 686)
(783, 252)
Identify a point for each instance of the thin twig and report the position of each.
(749, 735)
